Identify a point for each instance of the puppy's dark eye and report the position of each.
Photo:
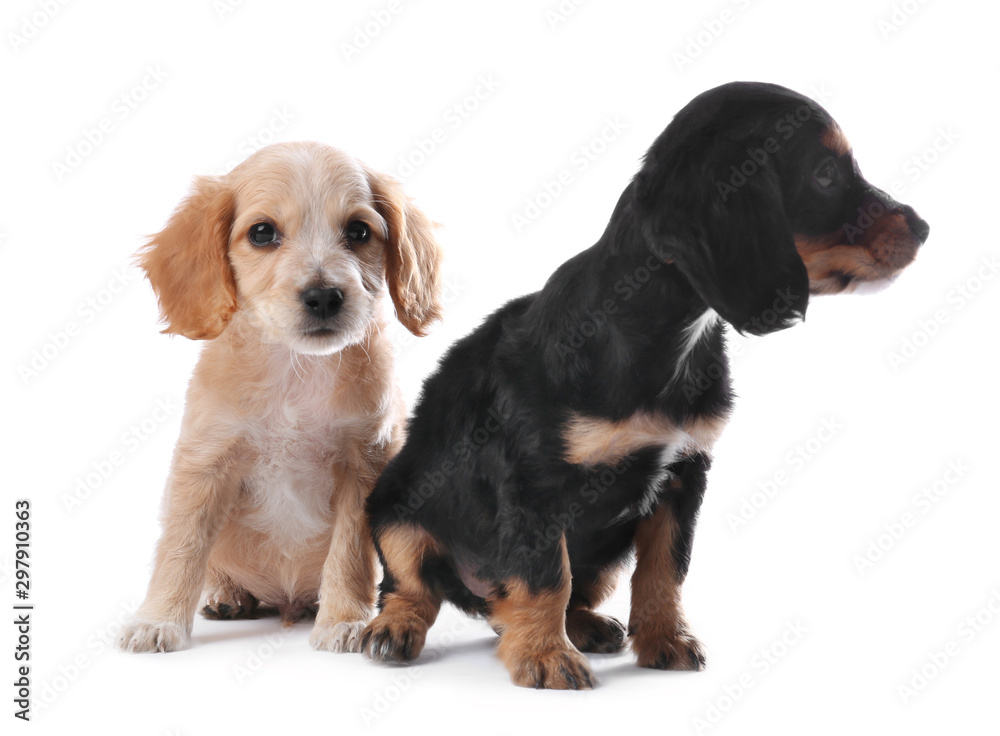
(826, 174)
(358, 232)
(263, 233)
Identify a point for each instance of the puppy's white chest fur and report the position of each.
(290, 486)
(295, 439)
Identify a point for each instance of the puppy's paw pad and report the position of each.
(679, 652)
(560, 669)
(148, 636)
(594, 632)
(393, 638)
(342, 636)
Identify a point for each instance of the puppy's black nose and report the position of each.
(919, 227)
(323, 303)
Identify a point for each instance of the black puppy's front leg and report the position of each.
(530, 614)
(660, 634)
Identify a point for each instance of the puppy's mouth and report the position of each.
(844, 269)
(862, 257)
(320, 340)
(320, 333)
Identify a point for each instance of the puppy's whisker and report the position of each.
(296, 365)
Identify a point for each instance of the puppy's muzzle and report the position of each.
(890, 208)
(323, 303)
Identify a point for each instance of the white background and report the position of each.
(214, 81)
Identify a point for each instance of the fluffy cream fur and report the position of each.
(285, 428)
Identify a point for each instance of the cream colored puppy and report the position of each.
(287, 266)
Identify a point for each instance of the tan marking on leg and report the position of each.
(533, 642)
(660, 634)
(593, 441)
(398, 633)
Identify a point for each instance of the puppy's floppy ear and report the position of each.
(412, 258)
(727, 233)
(187, 263)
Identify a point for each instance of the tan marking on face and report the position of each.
(834, 139)
(879, 252)
(595, 441)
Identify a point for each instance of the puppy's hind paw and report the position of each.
(152, 636)
(225, 604)
(594, 632)
(343, 636)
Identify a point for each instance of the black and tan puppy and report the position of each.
(577, 423)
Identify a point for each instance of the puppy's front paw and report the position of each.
(342, 636)
(393, 638)
(680, 651)
(594, 632)
(559, 669)
(153, 636)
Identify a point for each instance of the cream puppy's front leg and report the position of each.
(201, 492)
(347, 587)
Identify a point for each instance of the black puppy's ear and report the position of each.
(727, 233)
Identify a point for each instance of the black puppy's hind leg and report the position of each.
(590, 631)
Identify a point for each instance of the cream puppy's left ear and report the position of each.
(187, 263)
(412, 258)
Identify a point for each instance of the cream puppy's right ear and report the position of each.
(187, 263)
